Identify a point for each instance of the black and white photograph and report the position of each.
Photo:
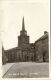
(25, 28)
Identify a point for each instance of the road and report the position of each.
(28, 70)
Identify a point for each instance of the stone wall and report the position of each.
(42, 49)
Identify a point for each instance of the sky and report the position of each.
(36, 16)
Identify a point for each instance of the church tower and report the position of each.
(23, 39)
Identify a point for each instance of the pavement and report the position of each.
(6, 67)
(27, 70)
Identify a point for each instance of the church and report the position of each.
(26, 51)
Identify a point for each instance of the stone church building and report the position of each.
(26, 51)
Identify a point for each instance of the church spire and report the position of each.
(23, 31)
(23, 25)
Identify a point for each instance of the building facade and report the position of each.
(26, 51)
(11, 54)
(42, 48)
(23, 51)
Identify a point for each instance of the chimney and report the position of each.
(45, 32)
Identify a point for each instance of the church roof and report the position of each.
(15, 48)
